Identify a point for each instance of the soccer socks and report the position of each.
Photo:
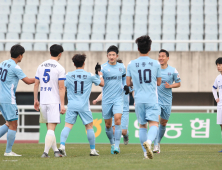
(91, 138)
(3, 130)
(109, 133)
(157, 138)
(162, 130)
(10, 140)
(151, 135)
(118, 133)
(64, 135)
(143, 137)
(49, 138)
(54, 145)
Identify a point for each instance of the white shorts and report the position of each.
(219, 115)
(49, 113)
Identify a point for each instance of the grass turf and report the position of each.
(131, 157)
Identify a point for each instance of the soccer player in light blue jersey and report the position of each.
(79, 84)
(10, 74)
(114, 75)
(145, 74)
(169, 76)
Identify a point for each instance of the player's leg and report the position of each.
(124, 124)
(156, 148)
(219, 120)
(113, 126)
(3, 128)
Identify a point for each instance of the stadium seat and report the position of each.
(210, 2)
(154, 29)
(43, 18)
(211, 46)
(15, 18)
(113, 10)
(101, 2)
(55, 36)
(115, 2)
(169, 10)
(168, 29)
(42, 28)
(27, 36)
(1, 47)
(73, 2)
(27, 46)
(56, 28)
(84, 18)
(155, 19)
(211, 10)
(211, 29)
(4, 9)
(82, 47)
(156, 2)
(140, 19)
(196, 19)
(128, 9)
(40, 47)
(29, 18)
(84, 28)
(168, 46)
(70, 28)
(41, 36)
(197, 2)
(196, 10)
(87, 2)
(112, 28)
(31, 9)
(17, 9)
(14, 27)
(99, 19)
(126, 19)
(183, 3)
(126, 29)
(114, 19)
(183, 10)
(182, 46)
(9, 45)
(72, 10)
(60, 2)
(3, 28)
(171, 2)
(155, 9)
(47, 2)
(18, 2)
(68, 46)
(100, 9)
(69, 18)
(210, 19)
(183, 19)
(58, 9)
(98, 29)
(128, 2)
(68, 36)
(97, 46)
(28, 27)
(3, 19)
(125, 46)
(141, 9)
(32, 2)
(86, 9)
(57, 18)
(169, 19)
(45, 9)
(220, 19)
(140, 29)
(183, 29)
(111, 37)
(196, 46)
(12, 36)
(196, 29)
(5, 2)
(142, 2)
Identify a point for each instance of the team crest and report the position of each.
(169, 74)
(120, 69)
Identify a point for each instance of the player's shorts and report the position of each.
(147, 112)
(9, 111)
(108, 110)
(165, 111)
(71, 117)
(219, 115)
(49, 113)
(124, 120)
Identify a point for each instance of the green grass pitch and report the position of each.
(172, 157)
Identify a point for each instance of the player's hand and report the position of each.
(36, 105)
(167, 85)
(126, 89)
(63, 109)
(100, 73)
(94, 102)
(217, 100)
(97, 68)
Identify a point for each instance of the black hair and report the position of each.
(55, 50)
(119, 61)
(164, 51)
(219, 61)
(17, 50)
(79, 59)
(144, 44)
(113, 48)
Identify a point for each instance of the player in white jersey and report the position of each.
(218, 84)
(10, 74)
(50, 76)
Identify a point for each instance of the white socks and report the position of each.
(62, 147)
(54, 145)
(149, 141)
(49, 139)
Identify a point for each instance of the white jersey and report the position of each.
(218, 84)
(49, 73)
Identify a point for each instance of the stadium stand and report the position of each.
(124, 19)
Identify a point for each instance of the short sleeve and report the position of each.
(215, 86)
(176, 76)
(158, 70)
(19, 73)
(124, 71)
(62, 74)
(102, 70)
(95, 80)
(65, 82)
(37, 74)
(128, 74)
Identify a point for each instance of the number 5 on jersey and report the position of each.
(47, 76)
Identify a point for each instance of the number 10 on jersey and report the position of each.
(144, 76)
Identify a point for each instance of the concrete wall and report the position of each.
(197, 69)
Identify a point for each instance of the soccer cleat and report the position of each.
(62, 151)
(145, 156)
(156, 149)
(116, 150)
(45, 155)
(11, 154)
(93, 153)
(126, 139)
(220, 151)
(149, 152)
(57, 154)
(112, 149)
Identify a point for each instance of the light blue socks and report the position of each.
(91, 138)
(151, 135)
(64, 135)
(10, 140)
(157, 138)
(118, 133)
(3, 130)
(109, 133)
(162, 130)
(143, 137)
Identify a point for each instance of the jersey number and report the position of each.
(75, 88)
(144, 76)
(3, 74)
(47, 76)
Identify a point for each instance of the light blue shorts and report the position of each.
(71, 117)
(108, 110)
(165, 111)
(124, 120)
(9, 111)
(147, 112)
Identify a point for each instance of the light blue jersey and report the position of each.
(79, 84)
(144, 72)
(10, 74)
(169, 75)
(114, 80)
